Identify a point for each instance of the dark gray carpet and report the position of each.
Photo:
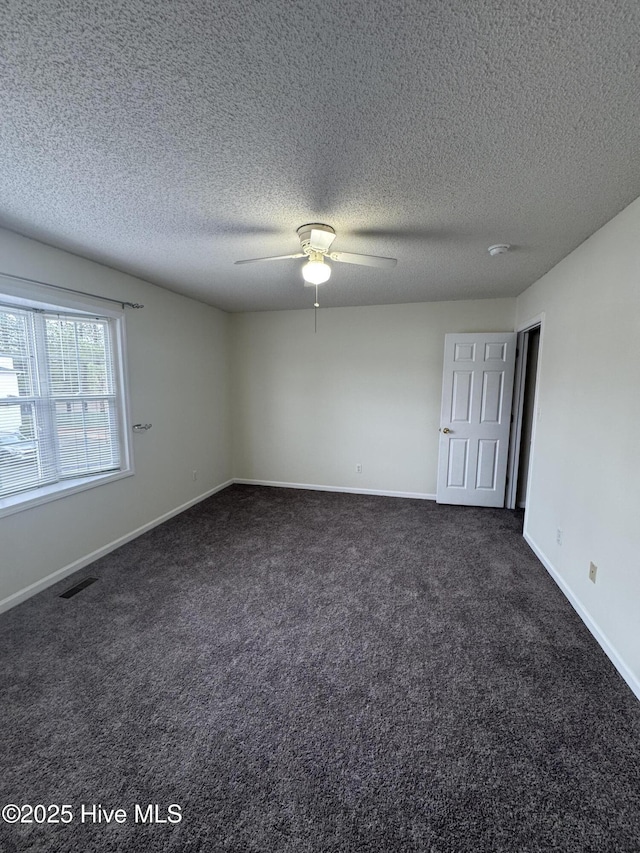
(305, 671)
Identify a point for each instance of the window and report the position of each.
(62, 401)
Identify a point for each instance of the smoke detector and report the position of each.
(499, 249)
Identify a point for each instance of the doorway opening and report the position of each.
(524, 412)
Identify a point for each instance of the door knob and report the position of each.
(446, 430)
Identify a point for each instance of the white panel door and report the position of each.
(477, 388)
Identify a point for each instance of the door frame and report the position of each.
(522, 353)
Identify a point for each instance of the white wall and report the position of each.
(179, 381)
(585, 474)
(365, 389)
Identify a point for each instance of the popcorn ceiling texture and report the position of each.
(169, 139)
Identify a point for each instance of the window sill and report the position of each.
(37, 497)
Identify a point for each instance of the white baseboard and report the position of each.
(54, 577)
(315, 488)
(598, 634)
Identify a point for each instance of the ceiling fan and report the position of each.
(315, 242)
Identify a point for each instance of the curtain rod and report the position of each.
(70, 290)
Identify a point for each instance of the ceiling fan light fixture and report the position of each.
(316, 239)
(315, 271)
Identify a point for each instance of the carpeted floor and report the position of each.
(306, 671)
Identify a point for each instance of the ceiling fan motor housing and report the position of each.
(304, 234)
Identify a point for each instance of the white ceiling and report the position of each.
(169, 138)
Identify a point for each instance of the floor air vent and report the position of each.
(78, 587)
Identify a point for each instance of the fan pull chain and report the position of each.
(316, 305)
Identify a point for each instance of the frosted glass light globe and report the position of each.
(316, 272)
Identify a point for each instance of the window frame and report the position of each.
(25, 295)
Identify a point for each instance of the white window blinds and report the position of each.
(59, 416)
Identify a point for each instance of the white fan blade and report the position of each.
(274, 258)
(363, 260)
(321, 240)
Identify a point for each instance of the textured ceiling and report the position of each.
(169, 138)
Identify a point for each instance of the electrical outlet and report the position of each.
(559, 536)
(358, 468)
(195, 476)
(593, 571)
